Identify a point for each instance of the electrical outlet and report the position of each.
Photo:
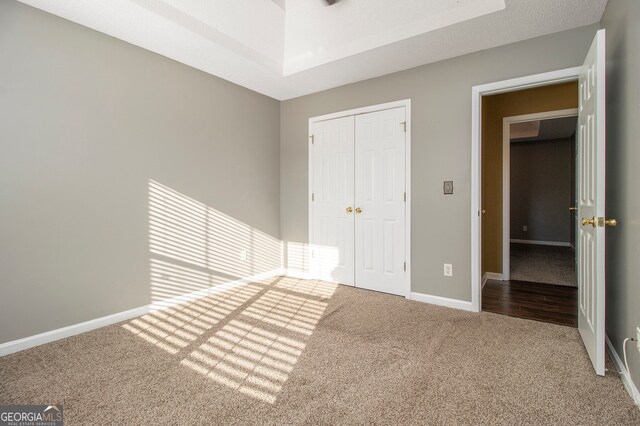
(448, 270)
(524, 228)
(243, 255)
(638, 338)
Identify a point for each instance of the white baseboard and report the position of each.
(491, 276)
(72, 330)
(624, 376)
(542, 243)
(442, 301)
(178, 300)
(303, 275)
(64, 332)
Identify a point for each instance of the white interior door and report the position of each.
(591, 185)
(332, 248)
(380, 201)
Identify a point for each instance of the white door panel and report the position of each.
(591, 186)
(379, 193)
(332, 244)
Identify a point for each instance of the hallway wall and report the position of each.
(540, 193)
(494, 109)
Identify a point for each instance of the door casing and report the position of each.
(406, 103)
(477, 92)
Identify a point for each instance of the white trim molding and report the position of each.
(220, 288)
(74, 329)
(302, 275)
(624, 374)
(506, 173)
(541, 243)
(64, 332)
(406, 103)
(492, 276)
(477, 92)
(442, 301)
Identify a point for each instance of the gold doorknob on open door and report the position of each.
(591, 221)
(349, 209)
(611, 222)
(358, 210)
(483, 211)
(573, 209)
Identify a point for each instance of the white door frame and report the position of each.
(359, 111)
(477, 92)
(506, 175)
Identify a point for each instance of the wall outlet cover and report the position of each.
(524, 228)
(448, 270)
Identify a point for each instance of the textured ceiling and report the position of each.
(286, 49)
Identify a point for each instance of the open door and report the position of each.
(591, 188)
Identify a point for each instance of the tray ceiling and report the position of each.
(289, 48)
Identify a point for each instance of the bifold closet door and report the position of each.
(332, 256)
(380, 201)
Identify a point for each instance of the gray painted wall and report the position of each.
(540, 193)
(87, 122)
(98, 135)
(441, 148)
(622, 23)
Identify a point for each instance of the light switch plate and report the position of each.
(448, 187)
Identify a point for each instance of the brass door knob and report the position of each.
(349, 209)
(483, 211)
(573, 209)
(358, 210)
(591, 222)
(611, 222)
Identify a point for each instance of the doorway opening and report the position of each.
(538, 219)
(539, 167)
(527, 165)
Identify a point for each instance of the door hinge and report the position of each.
(313, 196)
(404, 123)
(405, 197)
(312, 139)
(405, 266)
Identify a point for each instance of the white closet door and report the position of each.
(332, 250)
(379, 201)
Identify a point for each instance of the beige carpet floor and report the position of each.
(304, 352)
(543, 264)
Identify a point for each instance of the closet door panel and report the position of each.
(379, 201)
(332, 242)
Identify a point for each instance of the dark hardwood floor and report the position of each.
(540, 302)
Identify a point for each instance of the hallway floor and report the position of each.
(543, 264)
(541, 302)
